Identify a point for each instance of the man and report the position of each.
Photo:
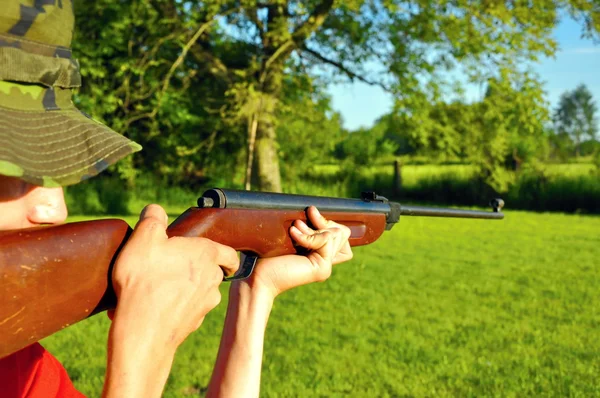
(164, 286)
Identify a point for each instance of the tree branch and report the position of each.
(253, 16)
(167, 79)
(352, 75)
(179, 60)
(215, 65)
(302, 32)
(313, 22)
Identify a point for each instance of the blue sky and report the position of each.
(576, 62)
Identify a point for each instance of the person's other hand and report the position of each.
(328, 245)
(166, 286)
(237, 371)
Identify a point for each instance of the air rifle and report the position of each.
(53, 277)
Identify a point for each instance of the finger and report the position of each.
(305, 229)
(317, 219)
(156, 212)
(343, 255)
(345, 234)
(316, 241)
(227, 258)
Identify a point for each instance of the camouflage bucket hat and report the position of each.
(44, 139)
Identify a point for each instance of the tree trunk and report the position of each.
(517, 161)
(397, 183)
(252, 128)
(266, 169)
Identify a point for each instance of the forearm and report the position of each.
(139, 361)
(238, 366)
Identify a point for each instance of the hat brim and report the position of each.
(57, 148)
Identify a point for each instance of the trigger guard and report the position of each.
(244, 271)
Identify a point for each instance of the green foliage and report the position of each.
(573, 187)
(596, 160)
(590, 147)
(307, 129)
(365, 146)
(508, 128)
(561, 187)
(397, 130)
(186, 80)
(576, 116)
(561, 146)
(135, 81)
(437, 307)
(106, 195)
(497, 134)
(536, 190)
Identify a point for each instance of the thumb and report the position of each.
(153, 221)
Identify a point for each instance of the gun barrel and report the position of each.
(370, 203)
(444, 212)
(235, 199)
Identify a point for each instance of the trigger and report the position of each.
(244, 271)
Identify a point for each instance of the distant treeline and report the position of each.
(568, 188)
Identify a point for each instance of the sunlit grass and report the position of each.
(570, 170)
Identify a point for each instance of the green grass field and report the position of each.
(437, 307)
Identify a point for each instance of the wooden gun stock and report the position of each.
(53, 277)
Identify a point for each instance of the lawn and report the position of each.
(436, 307)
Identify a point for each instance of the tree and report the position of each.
(396, 131)
(575, 116)
(138, 78)
(235, 55)
(414, 45)
(308, 128)
(364, 146)
(496, 134)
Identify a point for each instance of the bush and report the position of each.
(559, 193)
(106, 195)
(565, 188)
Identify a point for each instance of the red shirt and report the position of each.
(34, 373)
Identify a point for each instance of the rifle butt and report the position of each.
(53, 277)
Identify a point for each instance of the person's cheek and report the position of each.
(13, 203)
(12, 216)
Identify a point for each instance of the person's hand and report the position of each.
(328, 245)
(165, 287)
(237, 371)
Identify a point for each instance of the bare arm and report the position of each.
(137, 365)
(165, 287)
(238, 367)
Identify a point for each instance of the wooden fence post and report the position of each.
(397, 183)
